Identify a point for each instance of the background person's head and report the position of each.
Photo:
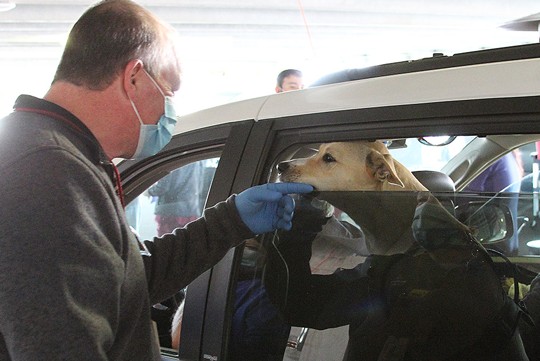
(289, 79)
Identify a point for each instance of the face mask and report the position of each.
(153, 137)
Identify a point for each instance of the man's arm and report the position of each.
(177, 259)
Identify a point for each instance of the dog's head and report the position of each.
(345, 166)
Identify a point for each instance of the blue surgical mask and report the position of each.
(153, 137)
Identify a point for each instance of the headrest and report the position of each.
(435, 181)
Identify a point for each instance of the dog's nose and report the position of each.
(282, 167)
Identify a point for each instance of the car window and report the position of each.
(363, 272)
(173, 201)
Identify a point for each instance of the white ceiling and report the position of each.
(235, 48)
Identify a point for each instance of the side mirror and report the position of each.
(491, 222)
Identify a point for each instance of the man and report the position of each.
(74, 284)
(289, 79)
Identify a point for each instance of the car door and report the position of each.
(215, 153)
(279, 139)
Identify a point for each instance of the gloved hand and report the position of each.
(268, 207)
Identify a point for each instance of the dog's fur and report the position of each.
(366, 166)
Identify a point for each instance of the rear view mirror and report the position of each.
(437, 141)
(490, 222)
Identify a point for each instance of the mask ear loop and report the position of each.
(155, 83)
(136, 111)
(168, 109)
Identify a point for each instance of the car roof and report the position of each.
(496, 73)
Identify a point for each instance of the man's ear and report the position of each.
(382, 168)
(131, 74)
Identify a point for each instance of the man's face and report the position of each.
(292, 82)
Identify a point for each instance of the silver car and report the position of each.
(468, 127)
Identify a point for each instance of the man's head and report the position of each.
(118, 74)
(289, 79)
(108, 36)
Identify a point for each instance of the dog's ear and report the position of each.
(382, 168)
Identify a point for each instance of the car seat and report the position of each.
(440, 184)
(435, 181)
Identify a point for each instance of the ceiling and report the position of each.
(234, 49)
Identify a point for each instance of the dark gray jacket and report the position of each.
(73, 283)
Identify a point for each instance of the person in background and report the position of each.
(76, 282)
(504, 175)
(289, 79)
(178, 200)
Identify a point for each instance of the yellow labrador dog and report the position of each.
(369, 166)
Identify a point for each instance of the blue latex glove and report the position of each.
(268, 207)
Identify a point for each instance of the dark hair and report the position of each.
(285, 73)
(105, 38)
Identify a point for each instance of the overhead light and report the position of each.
(6, 5)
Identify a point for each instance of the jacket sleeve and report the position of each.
(178, 258)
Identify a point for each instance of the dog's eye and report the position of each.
(328, 158)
